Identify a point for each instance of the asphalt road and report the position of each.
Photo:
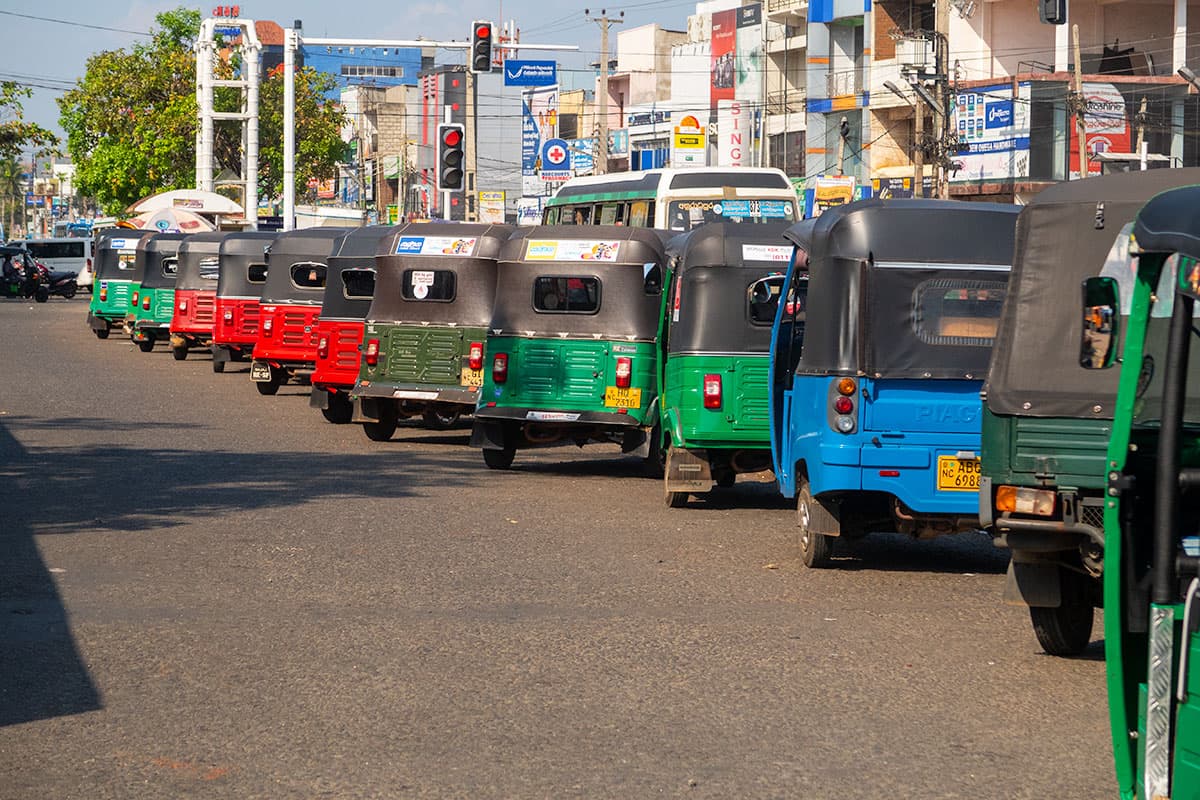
(206, 592)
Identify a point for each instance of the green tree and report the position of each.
(131, 120)
(17, 136)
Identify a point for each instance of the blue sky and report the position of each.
(50, 55)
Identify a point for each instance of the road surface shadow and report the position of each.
(895, 552)
(41, 672)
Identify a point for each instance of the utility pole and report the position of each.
(1080, 106)
(918, 149)
(602, 134)
(469, 165)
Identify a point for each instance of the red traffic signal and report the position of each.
(480, 59)
(450, 166)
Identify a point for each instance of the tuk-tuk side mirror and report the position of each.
(1101, 313)
(652, 278)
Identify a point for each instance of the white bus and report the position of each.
(65, 253)
(675, 199)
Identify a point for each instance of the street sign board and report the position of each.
(530, 73)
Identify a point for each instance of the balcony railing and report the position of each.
(844, 84)
(789, 102)
(774, 6)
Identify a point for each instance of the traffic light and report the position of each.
(1053, 12)
(481, 46)
(450, 158)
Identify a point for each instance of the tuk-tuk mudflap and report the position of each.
(97, 323)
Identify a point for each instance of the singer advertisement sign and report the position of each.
(993, 133)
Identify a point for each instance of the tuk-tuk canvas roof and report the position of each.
(616, 255)
(238, 251)
(868, 260)
(1170, 223)
(196, 249)
(1063, 237)
(717, 266)
(420, 246)
(110, 244)
(151, 252)
(356, 250)
(293, 247)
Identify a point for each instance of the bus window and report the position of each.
(582, 215)
(608, 214)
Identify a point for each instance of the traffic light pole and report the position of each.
(446, 118)
(292, 40)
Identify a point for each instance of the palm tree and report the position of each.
(12, 191)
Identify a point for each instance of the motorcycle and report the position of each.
(25, 281)
(61, 283)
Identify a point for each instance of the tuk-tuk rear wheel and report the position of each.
(382, 429)
(499, 459)
(146, 346)
(101, 333)
(816, 549)
(340, 410)
(1066, 630)
(278, 378)
(180, 353)
(439, 420)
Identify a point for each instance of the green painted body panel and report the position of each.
(568, 374)
(1068, 453)
(162, 307)
(419, 356)
(743, 421)
(116, 305)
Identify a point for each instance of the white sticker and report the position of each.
(421, 291)
(779, 253)
(422, 277)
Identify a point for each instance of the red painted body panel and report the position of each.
(291, 337)
(236, 321)
(193, 311)
(339, 369)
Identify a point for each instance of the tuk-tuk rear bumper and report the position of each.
(98, 323)
(319, 396)
(461, 395)
(498, 428)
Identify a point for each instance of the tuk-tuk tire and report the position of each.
(101, 333)
(1065, 630)
(677, 499)
(499, 459)
(218, 366)
(816, 549)
(380, 431)
(655, 461)
(268, 387)
(340, 410)
(439, 420)
(180, 353)
(42, 294)
(146, 346)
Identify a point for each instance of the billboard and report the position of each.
(734, 134)
(689, 144)
(724, 46)
(1106, 123)
(993, 133)
(539, 109)
(749, 64)
(530, 73)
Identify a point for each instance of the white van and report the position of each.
(71, 253)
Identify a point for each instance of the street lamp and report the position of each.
(896, 90)
(1189, 76)
(929, 99)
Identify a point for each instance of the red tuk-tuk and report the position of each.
(195, 292)
(243, 266)
(297, 263)
(349, 287)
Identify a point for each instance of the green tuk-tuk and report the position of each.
(1151, 517)
(423, 344)
(723, 286)
(158, 263)
(1046, 419)
(572, 342)
(117, 278)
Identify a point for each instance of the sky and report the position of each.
(47, 42)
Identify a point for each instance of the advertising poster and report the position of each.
(571, 250)
(749, 64)
(734, 134)
(993, 132)
(689, 145)
(830, 191)
(539, 108)
(529, 210)
(491, 207)
(435, 245)
(724, 45)
(583, 156)
(1107, 126)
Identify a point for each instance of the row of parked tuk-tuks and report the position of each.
(847, 353)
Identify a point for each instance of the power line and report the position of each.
(75, 24)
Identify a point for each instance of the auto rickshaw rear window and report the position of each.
(256, 273)
(565, 294)
(957, 312)
(170, 266)
(210, 268)
(358, 284)
(763, 299)
(308, 275)
(126, 259)
(437, 285)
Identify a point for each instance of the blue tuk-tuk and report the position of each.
(876, 373)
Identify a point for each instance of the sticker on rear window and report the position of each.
(767, 252)
(435, 245)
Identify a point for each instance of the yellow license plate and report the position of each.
(622, 398)
(956, 474)
(471, 377)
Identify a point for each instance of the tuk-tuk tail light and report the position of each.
(500, 368)
(183, 305)
(268, 326)
(1020, 500)
(844, 424)
(475, 355)
(371, 353)
(624, 372)
(323, 347)
(846, 387)
(134, 299)
(228, 315)
(712, 391)
(843, 405)
(103, 293)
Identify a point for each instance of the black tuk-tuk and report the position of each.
(1047, 416)
(117, 278)
(349, 287)
(427, 326)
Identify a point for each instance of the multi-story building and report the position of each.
(786, 88)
